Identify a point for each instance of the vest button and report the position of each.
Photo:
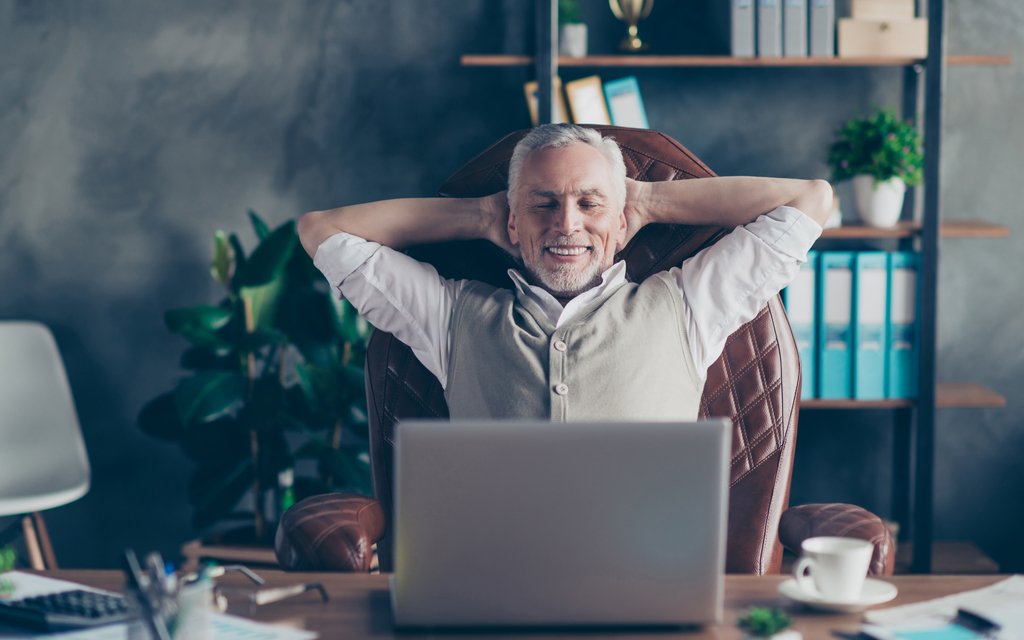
(561, 388)
(560, 346)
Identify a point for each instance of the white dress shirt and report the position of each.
(724, 286)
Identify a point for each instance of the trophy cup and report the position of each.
(631, 12)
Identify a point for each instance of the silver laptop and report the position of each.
(551, 524)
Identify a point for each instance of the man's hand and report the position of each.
(494, 212)
(636, 208)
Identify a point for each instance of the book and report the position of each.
(903, 329)
(835, 314)
(822, 31)
(586, 101)
(625, 105)
(794, 28)
(871, 326)
(531, 89)
(769, 28)
(741, 29)
(801, 308)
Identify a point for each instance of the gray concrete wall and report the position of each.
(130, 131)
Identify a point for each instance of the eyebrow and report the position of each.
(581, 192)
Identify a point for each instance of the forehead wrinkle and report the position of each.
(592, 191)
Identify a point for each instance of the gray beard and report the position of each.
(566, 282)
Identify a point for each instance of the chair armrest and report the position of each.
(330, 532)
(843, 520)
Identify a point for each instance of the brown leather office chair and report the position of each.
(756, 382)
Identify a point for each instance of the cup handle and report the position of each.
(803, 580)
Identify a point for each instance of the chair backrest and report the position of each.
(43, 463)
(755, 382)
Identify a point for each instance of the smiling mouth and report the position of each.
(567, 251)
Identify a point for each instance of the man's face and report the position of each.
(568, 222)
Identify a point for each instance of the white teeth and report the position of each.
(567, 251)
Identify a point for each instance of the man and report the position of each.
(572, 340)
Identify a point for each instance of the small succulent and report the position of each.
(764, 622)
(7, 562)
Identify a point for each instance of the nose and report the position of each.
(568, 218)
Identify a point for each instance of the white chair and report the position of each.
(43, 463)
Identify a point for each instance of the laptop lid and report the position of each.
(538, 523)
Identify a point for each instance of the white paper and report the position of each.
(1004, 598)
(225, 627)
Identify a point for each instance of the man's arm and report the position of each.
(409, 221)
(724, 201)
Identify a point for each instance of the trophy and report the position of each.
(631, 12)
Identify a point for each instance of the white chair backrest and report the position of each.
(43, 463)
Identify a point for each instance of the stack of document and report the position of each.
(996, 612)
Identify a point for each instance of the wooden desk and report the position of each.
(359, 607)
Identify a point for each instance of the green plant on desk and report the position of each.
(275, 377)
(762, 622)
(8, 558)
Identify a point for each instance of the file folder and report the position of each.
(769, 28)
(903, 328)
(794, 28)
(799, 298)
(835, 312)
(823, 28)
(741, 29)
(871, 329)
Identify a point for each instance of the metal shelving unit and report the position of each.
(923, 87)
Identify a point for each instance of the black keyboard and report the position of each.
(64, 610)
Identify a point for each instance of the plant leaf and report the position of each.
(159, 418)
(214, 491)
(223, 258)
(208, 395)
(269, 259)
(263, 300)
(200, 324)
(258, 225)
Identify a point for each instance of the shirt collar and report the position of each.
(611, 279)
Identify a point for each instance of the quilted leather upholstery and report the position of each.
(755, 381)
(844, 521)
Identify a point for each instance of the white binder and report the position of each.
(769, 28)
(741, 25)
(794, 28)
(823, 28)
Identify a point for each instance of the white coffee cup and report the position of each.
(837, 568)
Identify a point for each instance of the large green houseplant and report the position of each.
(274, 384)
(882, 155)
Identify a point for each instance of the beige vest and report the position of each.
(625, 357)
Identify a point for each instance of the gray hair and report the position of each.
(562, 135)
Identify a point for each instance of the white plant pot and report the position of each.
(879, 204)
(572, 40)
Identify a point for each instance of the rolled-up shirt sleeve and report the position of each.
(395, 293)
(728, 283)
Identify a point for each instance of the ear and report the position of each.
(620, 235)
(513, 233)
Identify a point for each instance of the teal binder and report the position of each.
(871, 325)
(800, 299)
(903, 327)
(835, 316)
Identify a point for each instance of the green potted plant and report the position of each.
(572, 33)
(881, 155)
(273, 387)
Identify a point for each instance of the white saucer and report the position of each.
(874, 592)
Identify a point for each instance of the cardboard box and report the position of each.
(882, 9)
(859, 38)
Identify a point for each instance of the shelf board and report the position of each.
(501, 60)
(948, 395)
(908, 229)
